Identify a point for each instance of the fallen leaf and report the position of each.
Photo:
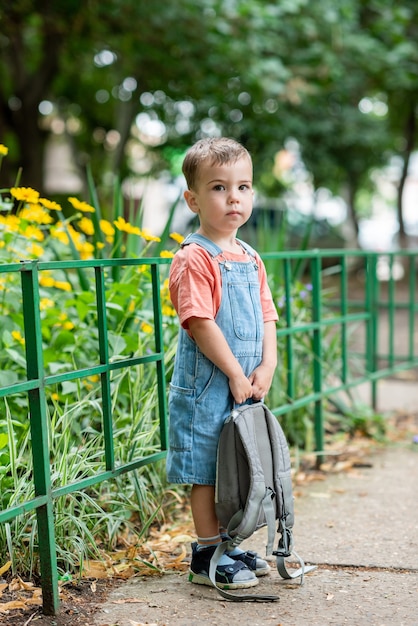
(5, 567)
(128, 601)
(94, 569)
(13, 604)
(34, 601)
(18, 584)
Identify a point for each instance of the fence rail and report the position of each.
(361, 307)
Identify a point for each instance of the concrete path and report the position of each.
(359, 527)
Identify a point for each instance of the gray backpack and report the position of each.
(254, 489)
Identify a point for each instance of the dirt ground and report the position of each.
(78, 605)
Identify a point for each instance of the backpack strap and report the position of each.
(284, 550)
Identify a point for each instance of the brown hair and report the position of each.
(220, 150)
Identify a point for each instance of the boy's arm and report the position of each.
(262, 376)
(212, 343)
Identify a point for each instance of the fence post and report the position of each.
(104, 360)
(317, 356)
(159, 348)
(39, 434)
(372, 307)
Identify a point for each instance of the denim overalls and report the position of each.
(200, 399)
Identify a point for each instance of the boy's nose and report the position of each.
(233, 196)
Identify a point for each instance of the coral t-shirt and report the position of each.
(196, 284)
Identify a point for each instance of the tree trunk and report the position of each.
(351, 195)
(410, 138)
(29, 87)
(32, 143)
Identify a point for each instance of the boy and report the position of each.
(227, 349)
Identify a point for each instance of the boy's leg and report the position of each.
(204, 515)
(230, 574)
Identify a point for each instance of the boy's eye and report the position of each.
(219, 187)
(243, 187)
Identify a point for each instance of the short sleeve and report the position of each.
(195, 284)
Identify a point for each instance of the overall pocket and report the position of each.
(246, 313)
(181, 407)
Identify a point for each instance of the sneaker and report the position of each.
(234, 575)
(252, 560)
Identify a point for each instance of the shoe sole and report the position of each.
(202, 579)
(262, 571)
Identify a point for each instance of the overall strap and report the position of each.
(204, 242)
(247, 247)
(211, 247)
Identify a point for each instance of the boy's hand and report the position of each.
(241, 389)
(261, 380)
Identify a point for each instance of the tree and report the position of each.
(395, 27)
(257, 70)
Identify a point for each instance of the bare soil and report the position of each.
(78, 605)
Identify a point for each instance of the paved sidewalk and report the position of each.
(359, 527)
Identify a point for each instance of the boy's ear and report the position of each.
(190, 198)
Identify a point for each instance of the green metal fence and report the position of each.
(364, 356)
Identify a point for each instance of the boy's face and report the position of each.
(223, 197)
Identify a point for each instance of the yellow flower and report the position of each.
(3, 150)
(107, 228)
(65, 322)
(148, 237)
(177, 237)
(100, 245)
(18, 337)
(25, 194)
(31, 232)
(168, 310)
(86, 225)
(81, 206)
(36, 250)
(57, 233)
(146, 328)
(11, 222)
(94, 378)
(45, 280)
(166, 254)
(85, 249)
(74, 234)
(45, 303)
(165, 291)
(131, 306)
(49, 204)
(126, 227)
(62, 284)
(35, 213)
(54, 396)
